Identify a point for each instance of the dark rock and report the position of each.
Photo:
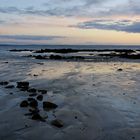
(42, 91)
(4, 83)
(120, 69)
(33, 94)
(23, 89)
(35, 75)
(23, 85)
(33, 103)
(40, 57)
(49, 105)
(11, 93)
(56, 57)
(38, 117)
(56, 51)
(31, 90)
(16, 50)
(40, 97)
(10, 86)
(24, 104)
(57, 123)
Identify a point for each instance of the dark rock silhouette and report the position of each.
(42, 91)
(10, 86)
(32, 90)
(38, 117)
(120, 69)
(49, 105)
(33, 103)
(57, 123)
(23, 85)
(40, 97)
(24, 103)
(4, 83)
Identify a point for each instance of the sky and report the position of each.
(83, 22)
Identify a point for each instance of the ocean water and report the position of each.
(102, 47)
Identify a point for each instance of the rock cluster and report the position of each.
(35, 97)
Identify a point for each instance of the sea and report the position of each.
(99, 47)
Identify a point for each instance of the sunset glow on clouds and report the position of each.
(70, 22)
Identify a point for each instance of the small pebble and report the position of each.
(120, 69)
(57, 123)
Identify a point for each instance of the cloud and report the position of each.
(121, 25)
(29, 37)
(95, 9)
(80, 8)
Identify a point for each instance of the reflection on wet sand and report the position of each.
(86, 100)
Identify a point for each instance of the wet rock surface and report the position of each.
(42, 91)
(38, 117)
(32, 90)
(4, 83)
(23, 85)
(57, 123)
(49, 105)
(24, 103)
(33, 103)
(10, 86)
(40, 97)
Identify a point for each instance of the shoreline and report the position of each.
(82, 55)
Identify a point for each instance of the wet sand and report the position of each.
(95, 100)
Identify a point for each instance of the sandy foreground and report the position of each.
(95, 101)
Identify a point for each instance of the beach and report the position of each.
(96, 100)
